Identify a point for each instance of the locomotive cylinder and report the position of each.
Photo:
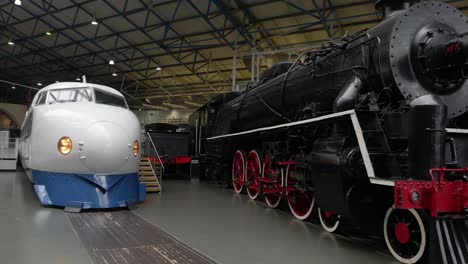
(426, 147)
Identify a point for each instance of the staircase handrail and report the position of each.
(155, 149)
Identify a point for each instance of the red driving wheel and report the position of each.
(253, 174)
(238, 171)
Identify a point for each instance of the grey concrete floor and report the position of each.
(233, 229)
(227, 227)
(30, 233)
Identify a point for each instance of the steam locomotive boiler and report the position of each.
(371, 131)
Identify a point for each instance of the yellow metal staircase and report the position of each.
(148, 175)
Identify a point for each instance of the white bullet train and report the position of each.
(80, 147)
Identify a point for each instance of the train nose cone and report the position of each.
(105, 147)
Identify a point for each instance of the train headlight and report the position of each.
(136, 148)
(415, 196)
(64, 145)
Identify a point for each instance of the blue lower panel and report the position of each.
(88, 191)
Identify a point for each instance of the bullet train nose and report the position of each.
(105, 147)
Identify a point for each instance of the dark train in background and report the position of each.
(172, 143)
(372, 131)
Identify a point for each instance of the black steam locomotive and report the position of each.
(371, 131)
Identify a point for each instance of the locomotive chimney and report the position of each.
(390, 8)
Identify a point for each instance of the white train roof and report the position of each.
(64, 85)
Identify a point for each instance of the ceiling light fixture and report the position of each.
(94, 22)
(18, 2)
(48, 33)
(158, 68)
(11, 43)
(114, 74)
(13, 87)
(39, 84)
(111, 62)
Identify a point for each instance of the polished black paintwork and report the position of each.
(381, 73)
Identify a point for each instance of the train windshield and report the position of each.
(70, 95)
(109, 99)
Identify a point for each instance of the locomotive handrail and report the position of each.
(442, 172)
(155, 149)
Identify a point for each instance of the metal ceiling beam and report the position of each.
(151, 37)
(205, 17)
(143, 59)
(161, 55)
(35, 17)
(237, 25)
(193, 17)
(253, 20)
(38, 45)
(110, 55)
(124, 48)
(323, 17)
(92, 57)
(46, 9)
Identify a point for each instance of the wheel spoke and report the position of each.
(415, 243)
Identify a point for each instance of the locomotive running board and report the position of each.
(452, 234)
(357, 129)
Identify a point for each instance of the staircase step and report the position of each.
(146, 173)
(153, 189)
(150, 184)
(148, 180)
(145, 178)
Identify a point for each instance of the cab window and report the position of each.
(102, 97)
(70, 95)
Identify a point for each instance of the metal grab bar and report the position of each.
(155, 149)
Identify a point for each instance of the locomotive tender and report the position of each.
(79, 146)
(372, 131)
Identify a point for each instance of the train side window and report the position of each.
(27, 127)
(42, 98)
